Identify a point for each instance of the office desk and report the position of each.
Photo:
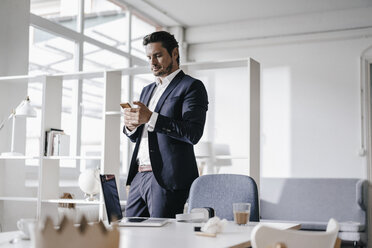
(173, 234)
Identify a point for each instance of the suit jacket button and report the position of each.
(151, 150)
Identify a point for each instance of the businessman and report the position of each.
(168, 120)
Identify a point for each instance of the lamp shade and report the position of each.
(25, 109)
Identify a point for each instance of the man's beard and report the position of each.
(166, 71)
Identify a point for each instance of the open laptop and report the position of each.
(113, 208)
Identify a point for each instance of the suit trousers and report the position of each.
(148, 199)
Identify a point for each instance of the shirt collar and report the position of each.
(165, 81)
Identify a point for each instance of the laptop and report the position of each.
(113, 208)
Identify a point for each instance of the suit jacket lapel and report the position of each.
(169, 89)
(146, 98)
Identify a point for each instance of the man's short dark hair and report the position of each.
(167, 41)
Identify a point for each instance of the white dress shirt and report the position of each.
(143, 157)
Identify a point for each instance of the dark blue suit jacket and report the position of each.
(182, 112)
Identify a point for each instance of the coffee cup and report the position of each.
(26, 226)
(242, 213)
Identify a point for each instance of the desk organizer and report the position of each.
(75, 236)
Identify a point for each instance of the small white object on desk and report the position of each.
(214, 225)
(26, 226)
(196, 215)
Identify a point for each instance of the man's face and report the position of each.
(162, 64)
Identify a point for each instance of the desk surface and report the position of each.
(173, 234)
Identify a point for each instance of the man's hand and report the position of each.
(133, 117)
(127, 119)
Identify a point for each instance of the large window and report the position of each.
(57, 45)
(49, 53)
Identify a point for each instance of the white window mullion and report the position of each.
(77, 88)
(67, 33)
(127, 149)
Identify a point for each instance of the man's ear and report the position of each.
(175, 53)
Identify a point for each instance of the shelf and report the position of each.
(53, 157)
(73, 157)
(19, 157)
(78, 201)
(16, 198)
(114, 113)
(230, 157)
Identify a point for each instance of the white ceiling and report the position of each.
(206, 12)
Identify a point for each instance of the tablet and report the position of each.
(142, 221)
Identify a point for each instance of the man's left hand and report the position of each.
(140, 115)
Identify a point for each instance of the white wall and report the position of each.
(14, 32)
(14, 21)
(14, 37)
(310, 100)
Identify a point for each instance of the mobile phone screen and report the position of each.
(125, 105)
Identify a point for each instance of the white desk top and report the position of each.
(173, 234)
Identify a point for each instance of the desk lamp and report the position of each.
(24, 109)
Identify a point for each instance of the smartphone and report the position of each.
(125, 105)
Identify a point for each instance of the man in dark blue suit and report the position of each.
(168, 121)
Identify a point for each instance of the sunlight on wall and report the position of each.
(228, 117)
(276, 122)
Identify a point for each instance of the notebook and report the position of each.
(113, 208)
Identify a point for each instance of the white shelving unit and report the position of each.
(48, 167)
(51, 118)
(48, 170)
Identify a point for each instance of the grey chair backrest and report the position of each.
(220, 191)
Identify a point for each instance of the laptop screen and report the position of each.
(111, 197)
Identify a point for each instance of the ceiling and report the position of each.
(208, 12)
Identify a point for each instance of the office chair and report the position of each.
(268, 237)
(220, 191)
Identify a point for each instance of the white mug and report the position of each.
(25, 226)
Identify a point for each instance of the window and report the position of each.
(49, 53)
(104, 43)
